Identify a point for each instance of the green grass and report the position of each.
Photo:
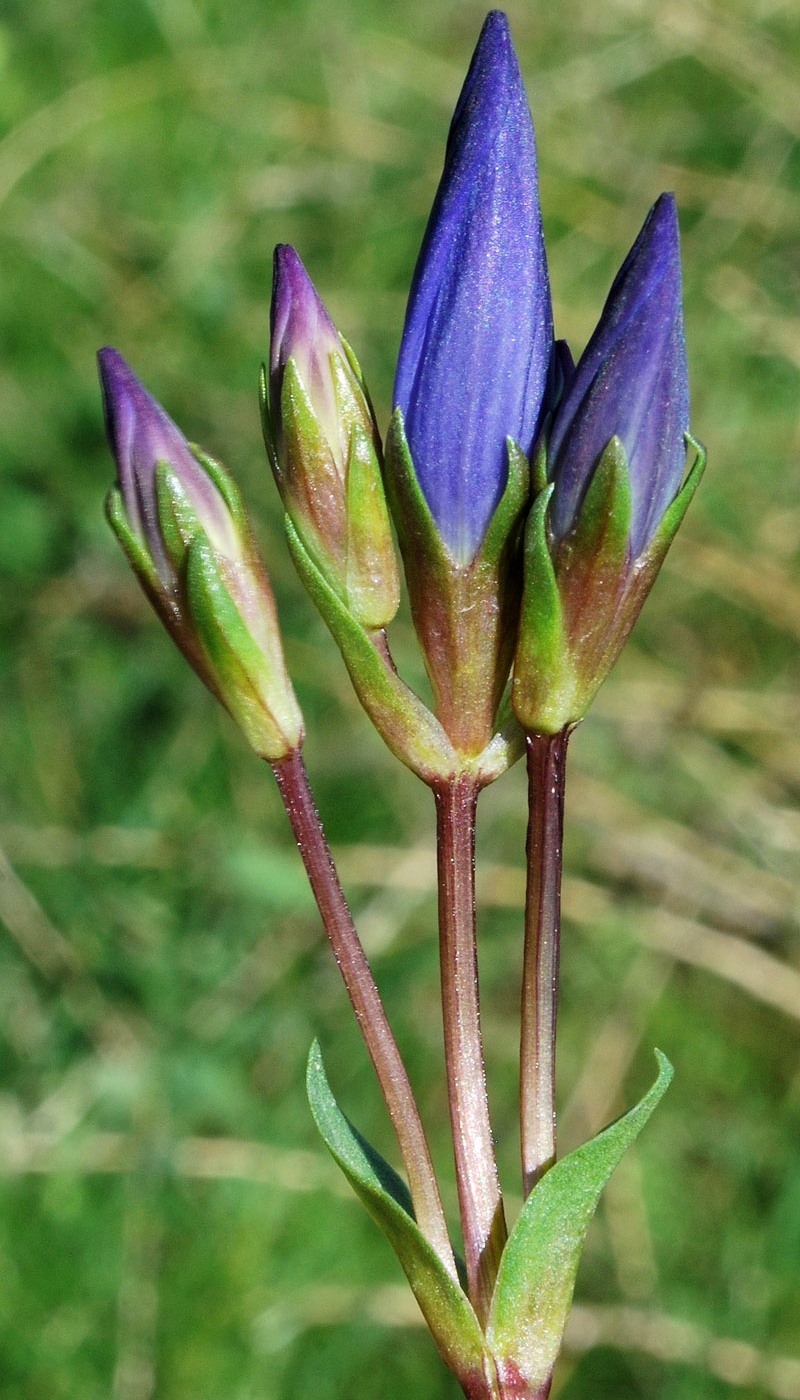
(170, 1228)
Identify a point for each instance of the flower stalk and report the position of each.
(547, 760)
(480, 1199)
(293, 785)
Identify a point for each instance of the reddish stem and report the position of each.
(547, 756)
(312, 843)
(480, 1199)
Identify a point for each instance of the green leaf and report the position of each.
(537, 1272)
(444, 1304)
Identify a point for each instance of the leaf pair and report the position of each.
(517, 1350)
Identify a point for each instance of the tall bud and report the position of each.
(180, 520)
(470, 392)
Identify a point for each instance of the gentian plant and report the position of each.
(533, 501)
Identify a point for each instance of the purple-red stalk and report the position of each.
(480, 1199)
(292, 780)
(547, 757)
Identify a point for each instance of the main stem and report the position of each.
(547, 756)
(293, 784)
(480, 1200)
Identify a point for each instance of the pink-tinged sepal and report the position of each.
(583, 593)
(465, 613)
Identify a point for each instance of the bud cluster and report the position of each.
(533, 499)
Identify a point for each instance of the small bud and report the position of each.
(615, 455)
(324, 448)
(180, 520)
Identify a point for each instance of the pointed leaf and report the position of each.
(537, 1272)
(444, 1304)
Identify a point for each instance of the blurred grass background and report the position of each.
(170, 1228)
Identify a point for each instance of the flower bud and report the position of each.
(615, 457)
(324, 448)
(632, 384)
(478, 336)
(180, 520)
(472, 387)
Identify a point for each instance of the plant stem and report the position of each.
(480, 1199)
(547, 756)
(295, 791)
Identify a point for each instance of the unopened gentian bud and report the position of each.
(632, 384)
(325, 450)
(478, 336)
(182, 525)
(471, 392)
(615, 458)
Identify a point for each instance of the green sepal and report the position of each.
(673, 516)
(412, 515)
(465, 614)
(407, 726)
(372, 578)
(252, 685)
(510, 509)
(308, 452)
(539, 467)
(600, 538)
(416, 527)
(445, 1306)
(226, 486)
(543, 687)
(178, 520)
(135, 551)
(573, 618)
(505, 749)
(537, 1271)
(352, 360)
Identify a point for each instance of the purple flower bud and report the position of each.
(141, 435)
(179, 518)
(630, 383)
(478, 334)
(325, 450)
(302, 330)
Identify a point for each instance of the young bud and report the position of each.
(324, 448)
(615, 455)
(181, 522)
